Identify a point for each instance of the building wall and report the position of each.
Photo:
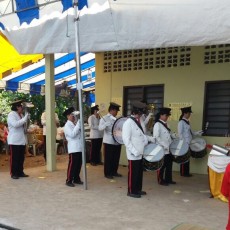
(181, 85)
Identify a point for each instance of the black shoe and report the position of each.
(93, 164)
(109, 177)
(171, 182)
(23, 175)
(14, 177)
(78, 182)
(142, 193)
(117, 175)
(163, 183)
(100, 163)
(70, 184)
(134, 195)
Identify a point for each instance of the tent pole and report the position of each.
(79, 89)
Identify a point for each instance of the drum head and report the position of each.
(178, 147)
(197, 144)
(117, 130)
(153, 152)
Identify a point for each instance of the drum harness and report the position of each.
(138, 124)
(165, 125)
(187, 122)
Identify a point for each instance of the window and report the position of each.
(153, 94)
(216, 121)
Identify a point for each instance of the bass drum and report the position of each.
(180, 151)
(198, 147)
(117, 130)
(153, 157)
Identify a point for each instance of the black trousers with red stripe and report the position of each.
(74, 167)
(164, 174)
(135, 176)
(17, 158)
(95, 151)
(185, 168)
(111, 159)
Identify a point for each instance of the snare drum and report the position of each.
(153, 157)
(180, 151)
(198, 147)
(117, 129)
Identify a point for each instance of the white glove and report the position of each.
(27, 116)
(150, 114)
(199, 133)
(173, 135)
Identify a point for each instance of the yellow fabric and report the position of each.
(215, 181)
(11, 60)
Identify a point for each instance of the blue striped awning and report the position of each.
(33, 76)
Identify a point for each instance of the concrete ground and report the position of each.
(43, 201)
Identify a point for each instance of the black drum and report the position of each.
(198, 147)
(117, 130)
(153, 157)
(180, 151)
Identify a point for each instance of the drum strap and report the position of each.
(187, 122)
(164, 125)
(138, 124)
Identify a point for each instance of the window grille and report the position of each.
(134, 60)
(216, 54)
(216, 118)
(151, 94)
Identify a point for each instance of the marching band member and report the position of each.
(185, 133)
(162, 134)
(17, 139)
(135, 140)
(95, 136)
(112, 150)
(73, 136)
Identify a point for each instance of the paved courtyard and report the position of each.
(44, 202)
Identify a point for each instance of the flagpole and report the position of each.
(79, 89)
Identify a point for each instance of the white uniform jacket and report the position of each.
(184, 131)
(162, 136)
(106, 125)
(16, 135)
(93, 122)
(73, 136)
(43, 121)
(134, 139)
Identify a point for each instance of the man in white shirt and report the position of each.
(95, 136)
(135, 140)
(73, 137)
(112, 150)
(17, 139)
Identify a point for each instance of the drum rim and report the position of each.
(113, 129)
(159, 162)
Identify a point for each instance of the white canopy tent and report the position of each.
(108, 25)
